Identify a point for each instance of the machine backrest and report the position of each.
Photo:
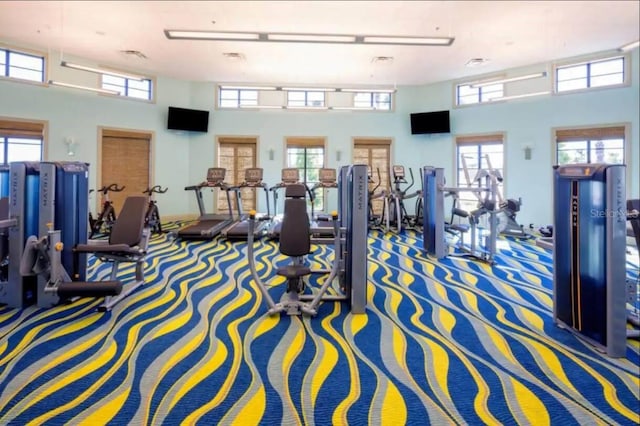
(635, 223)
(129, 225)
(295, 238)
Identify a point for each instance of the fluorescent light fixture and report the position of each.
(508, 80)
(353, 108)
(309, 89)
(312, 38)
(101, 71)
(307, 107)
(306, 38)
(415, 41)
(365, 90)
(210, 35)
(524, 95)
(261, 106)
(249, 87)
(90, 89)
(630, 46)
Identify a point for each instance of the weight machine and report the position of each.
(350, 249)
(589, 257)
(434, 227)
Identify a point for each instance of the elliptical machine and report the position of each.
(397, 215)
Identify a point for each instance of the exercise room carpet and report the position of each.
(450, 342)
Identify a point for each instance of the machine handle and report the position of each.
(157, 189)
(113, 188)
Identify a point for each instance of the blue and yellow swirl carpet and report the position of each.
(449, 342)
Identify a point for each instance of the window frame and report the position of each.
(152, 87)
(626, 71)
(372, 102)
(477, 140)
(593, 133)
(305, 144)
(16, 128)
(238, 98)
(630, 160)
(25, 52)
(306, 99)
(456, 94)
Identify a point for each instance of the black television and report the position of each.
(430, 122)
(191, 120)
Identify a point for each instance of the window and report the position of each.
(375, 100)
(605, 72)
(307, 155)
(376, 154)
(128, 87)
(590, 145)
(235, 155)
(237, 98)
(473, 153)
(22, 66)
(20, 141)
(467, 95)
(305, 99)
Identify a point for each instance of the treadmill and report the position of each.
(208, 225)
(240, 229)
(321, 222)
(290, 176)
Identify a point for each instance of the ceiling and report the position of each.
(508, 33)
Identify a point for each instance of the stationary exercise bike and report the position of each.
(152, 218)
(107, 217)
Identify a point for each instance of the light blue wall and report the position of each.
(181, 159)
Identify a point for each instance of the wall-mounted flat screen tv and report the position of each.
(191, 120)
(430, 122)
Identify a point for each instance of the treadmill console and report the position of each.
(290, 176)
(398, 172)
(215, 175)
(253, 176)
(327, 176)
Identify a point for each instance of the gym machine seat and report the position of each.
(128, 242)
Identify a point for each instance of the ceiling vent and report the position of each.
(477, 62)
(382, 60)
(233, 56)
(138, 54)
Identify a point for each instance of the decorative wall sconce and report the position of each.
(338, 155)
(71, 146)
(527, 152)
(271, 154)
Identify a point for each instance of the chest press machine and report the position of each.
(350, 249)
